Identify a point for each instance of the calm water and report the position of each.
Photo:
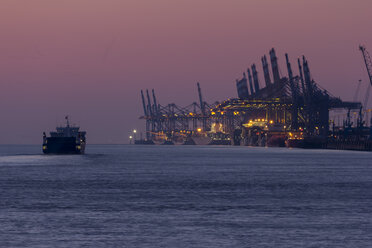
(184, 196)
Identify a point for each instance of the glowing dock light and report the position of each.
(199, 130)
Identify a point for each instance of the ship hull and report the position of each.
(144, 142)
(201, 140)
(307, 143)
(276, 141)
(220, 142)
(63, 145)
(206, 140)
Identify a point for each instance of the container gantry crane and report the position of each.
(368, 63)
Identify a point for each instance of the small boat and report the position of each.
(65, 140)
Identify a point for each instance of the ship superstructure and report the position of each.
(65, 140)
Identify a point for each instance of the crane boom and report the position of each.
(368, 63)
(143, 103)
(355, 98)
(202, 106)
(294, 94)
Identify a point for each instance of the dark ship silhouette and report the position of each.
(66, 140)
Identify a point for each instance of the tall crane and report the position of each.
(144, 103)
(202, 106)
(348, 122)
(294, 94)
(368, 63)
(155, 102)
(274, 65)
(265, 67)
(250, 81)
(355, 98)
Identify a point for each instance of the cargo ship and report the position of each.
(216, 136)
(300, 140)
(65, 140)
(211, 138)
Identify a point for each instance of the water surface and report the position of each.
(185, 196)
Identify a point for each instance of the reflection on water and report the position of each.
(177, 196)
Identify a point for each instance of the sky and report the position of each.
(89, 59)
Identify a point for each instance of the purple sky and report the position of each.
(90, 58)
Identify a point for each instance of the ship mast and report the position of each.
(67, 121)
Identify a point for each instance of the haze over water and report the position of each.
(90, 58)
(185, 196)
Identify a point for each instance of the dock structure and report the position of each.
(171, 122)
(290, 104)
(287, 107)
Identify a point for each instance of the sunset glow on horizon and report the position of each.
(90, 58)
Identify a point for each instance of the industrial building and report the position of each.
(290, 110)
